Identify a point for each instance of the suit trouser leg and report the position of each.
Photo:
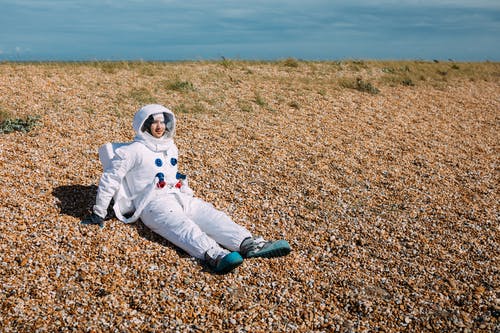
(166, 217)
(217, 224)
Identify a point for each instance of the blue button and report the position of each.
(180, 176)
(158, 162)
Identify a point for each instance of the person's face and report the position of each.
(158, 126)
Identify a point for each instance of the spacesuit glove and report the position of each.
(93, 219)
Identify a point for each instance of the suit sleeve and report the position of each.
(111, 180)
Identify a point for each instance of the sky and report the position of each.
(170, 30)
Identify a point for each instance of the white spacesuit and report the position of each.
(143, 178)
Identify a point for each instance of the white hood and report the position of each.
(155, 144)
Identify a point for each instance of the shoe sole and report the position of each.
(229, 262)
(278, 249)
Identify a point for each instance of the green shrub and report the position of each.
(360, 85)
(407, 82)
(16, 124)
(290, 62)
(180, 86)
(366, 87)
(259, 100)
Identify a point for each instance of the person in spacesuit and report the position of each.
(164, 202)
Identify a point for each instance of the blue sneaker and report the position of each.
(224, 263)
(258, 247)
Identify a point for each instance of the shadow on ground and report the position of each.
(77, 201)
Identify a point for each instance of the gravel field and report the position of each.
(390, 200)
